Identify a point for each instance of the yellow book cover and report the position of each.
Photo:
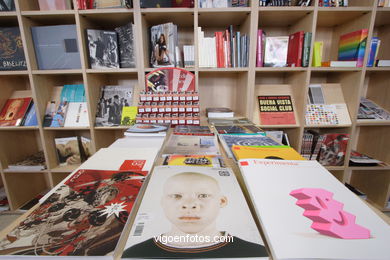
(265, 152)
(317, 54)
(194, 160)
(128, 115)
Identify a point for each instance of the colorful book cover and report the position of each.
(13, 111)
(317, 54)
(128, 115)
(194, 160)
(273, 187)
(199, 205)
(31, 116)
(373, 51)
(262, 152)
(333, 148)
(276, 110)
(11, 51)
(295, 48)
(352, 46)
(170, 79)
(84, 217)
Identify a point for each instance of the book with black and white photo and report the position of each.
(163, 43)
(126, 45)
(111, 103)
(200, 202)
(103, 49)
(370, 110)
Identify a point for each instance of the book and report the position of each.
(155, 3)
(373, 54)
(111, 4)
(30, 118)
(275, 54)
(295, 48)
(77, 115)
(87, 209)
(309, 180)
(195, 202)
(56, 47)
(276, 110)
(192, 130)
(7, 5)
(191, 144)
(45, 5)
(163, 42)
(343, 64)
(183, 3)
(52, 105)
(370, 110)
(352, 46)
(111, 103)
(219, 112)
(333, 148)
(34, 162)
(103, 49)
(306, 49)
(68, 150)
(228, 140)
(14, 110)
(264, 152)
(11, 53)
(359, 159)
(147, 130)
(317, 54)
(170, 79)
(316, 94)
(383, 63)
(194, 160)
(230, 121)
(260, 48)
(237, 129)
(126, 45)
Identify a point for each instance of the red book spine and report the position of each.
(294, 53)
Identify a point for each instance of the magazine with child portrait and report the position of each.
(193, 212)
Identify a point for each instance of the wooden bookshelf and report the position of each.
(231, 87)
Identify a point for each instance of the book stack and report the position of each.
(111, 48)
(222, 3)
(67, 107)
(226, 49)
(369, 110)
(282, 51)
(333, 3)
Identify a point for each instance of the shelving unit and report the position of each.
(230, 87)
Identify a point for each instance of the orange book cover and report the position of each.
(13, 111)
(266, 152)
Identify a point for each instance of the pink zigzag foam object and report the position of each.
(328, 215)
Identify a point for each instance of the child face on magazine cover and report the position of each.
(191, 202)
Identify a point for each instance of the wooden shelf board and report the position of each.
(13, 72)
(378, 69)
(65, 169)
(51, 72)
(280, 69)
(345, 9)
(65, 128)
(99, 71)
(335, 168)
(368, 168)
(111, 127)
(331, 69)
(166, 10)
(48, 13)
(18, 128)
(223, 69)
(334, 16)
(285, 8)
(362, 122)
(104, 11)
(279, 126)
(224, 10)
(327, 126)
(8, 14)
(11, 171)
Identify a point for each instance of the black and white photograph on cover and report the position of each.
(103, 49)
(163, 43)
(188, 212)
(7, 5)
(126, 45)
(111, 103)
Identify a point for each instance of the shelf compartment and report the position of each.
(330, 17)
(33, 5)
(374, 141)
(11, 83)
(30, 183)
(295, 19)
(97, 81)
(12, 141)
(51, 150)
(382, 31)
(8, 19)
(105, 137)
(376, 184)
(221, 89)
(215, 18)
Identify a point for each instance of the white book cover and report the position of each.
(193, 212)
(77, 115)
(276, 51)
(271, 184)
(139, 142)
(347, 64)
(112, 159)
(383, 63)
(191, 144)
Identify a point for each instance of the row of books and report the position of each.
(282, 51)
(222, 3)
(284, 2)
(333, 3)
(226, 49)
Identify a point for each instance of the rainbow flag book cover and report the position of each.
(352, 46)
